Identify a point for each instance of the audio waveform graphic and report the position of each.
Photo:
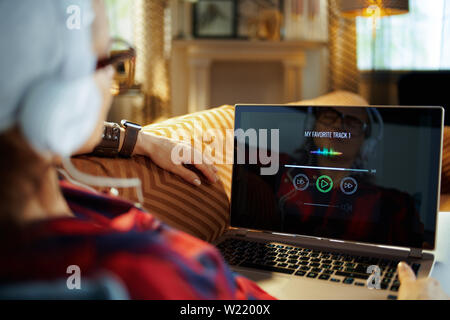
(326, 152)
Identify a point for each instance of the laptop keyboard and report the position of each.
(316, 264)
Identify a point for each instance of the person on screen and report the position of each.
(362, 211)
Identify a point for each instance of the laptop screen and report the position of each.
(349, 173)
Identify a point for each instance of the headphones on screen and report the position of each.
(371, 141)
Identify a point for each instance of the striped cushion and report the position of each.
(201, 211)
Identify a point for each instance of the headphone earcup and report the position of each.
(59, 116)
(368, 148)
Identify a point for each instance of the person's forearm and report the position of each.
(159, 149)
(145, 144)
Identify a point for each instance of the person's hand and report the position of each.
(422, 289)
(159, 150)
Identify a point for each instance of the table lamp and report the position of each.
(374, 9)
(369, 8)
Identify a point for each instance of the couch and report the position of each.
(200, 211)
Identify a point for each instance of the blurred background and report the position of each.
(195, 55)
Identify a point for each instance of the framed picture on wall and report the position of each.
(253, 13)
(215, 19)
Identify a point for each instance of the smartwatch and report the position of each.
(131, 135)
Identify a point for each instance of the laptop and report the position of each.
(327, 200)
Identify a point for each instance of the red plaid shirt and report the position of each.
(153, 260)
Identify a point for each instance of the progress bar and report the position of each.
(320, 205)
(328, 168)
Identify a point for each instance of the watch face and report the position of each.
(126, 123)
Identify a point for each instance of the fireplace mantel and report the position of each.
(191, 67)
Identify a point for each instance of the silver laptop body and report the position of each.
(291, 286)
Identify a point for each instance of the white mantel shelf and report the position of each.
(194, 58)
(251, 43)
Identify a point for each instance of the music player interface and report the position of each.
(344, 174)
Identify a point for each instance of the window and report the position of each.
(120, 22)
(418, 40)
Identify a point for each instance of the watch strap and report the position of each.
(130, 139)
(109, 145)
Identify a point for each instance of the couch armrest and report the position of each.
(201, 211)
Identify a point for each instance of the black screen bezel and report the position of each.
(264, 108)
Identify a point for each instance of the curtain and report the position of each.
(418, 40)
(146, 24)
(343, 71)
(151, 27)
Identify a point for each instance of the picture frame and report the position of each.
(215, 19)
(248, 13)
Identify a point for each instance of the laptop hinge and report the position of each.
(415, 253)
(241, 232)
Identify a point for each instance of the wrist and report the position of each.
(144, 144)
(121, 139)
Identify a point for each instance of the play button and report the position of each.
(324, 184)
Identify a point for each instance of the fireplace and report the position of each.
(205, 73)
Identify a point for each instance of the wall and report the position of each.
(261, 82)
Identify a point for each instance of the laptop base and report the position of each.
(298, 285)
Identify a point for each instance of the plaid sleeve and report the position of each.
(108, 235)
(164, 263)
(153, 260)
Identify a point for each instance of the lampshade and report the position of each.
(354, 8)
